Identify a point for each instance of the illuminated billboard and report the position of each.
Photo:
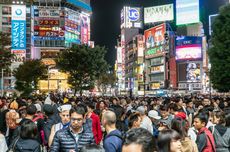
(18, 30)
(119, 55)
(85, 28)
(187, 12)
(154, 40)
(140, 46)
(158, 13)
(189, 48)
(190, 72)
(131, 17)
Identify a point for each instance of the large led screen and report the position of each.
(187, 12)
(190, 72)
(189, 48)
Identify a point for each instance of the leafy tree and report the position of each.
(5, 52)
(28, 74)
(105, 80)
(84, 65)
(220, 52)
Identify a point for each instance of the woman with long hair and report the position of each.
(169, 141)
(27, 141)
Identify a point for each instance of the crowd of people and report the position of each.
(55, 123)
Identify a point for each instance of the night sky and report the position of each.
(105, 21)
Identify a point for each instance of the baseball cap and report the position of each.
(141, 110)
(154, 114)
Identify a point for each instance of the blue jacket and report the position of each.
(64, 141)
(113, 141)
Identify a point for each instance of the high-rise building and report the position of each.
(40, 29)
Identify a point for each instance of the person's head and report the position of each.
(92, 148)
(169, 141)
(90, 106)
(31, 110)
(77, 115)
(28, 130)
(181, 126)
(179, 102)
(139, 140)
(141, 110)
(102, 105)
(64, 113)
(154, 116)
(164, 111)
(134, 120)
(227, 119)
(219, 118)
(206, 102)
(200, 120)
(109, 118)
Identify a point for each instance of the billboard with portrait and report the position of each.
(158, 13)
(187, 12)
(189, 72)
(188, 48)
(85, 28)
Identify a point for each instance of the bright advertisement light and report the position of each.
(188, 52)
(187, 12)
(158, 13)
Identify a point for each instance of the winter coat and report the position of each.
(25, 145)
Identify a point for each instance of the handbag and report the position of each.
(12, 149)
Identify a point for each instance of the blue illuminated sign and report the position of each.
(18, 31)
(134, 14)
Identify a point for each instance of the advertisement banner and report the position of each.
(158, 13)
(187, 12)
(189, 48)
(85, 29)
(19, 55)
(157, 69)
(119, 55)
(155, 36)
(140, 46)
(189, 72)
(48, 12)
(18, 28)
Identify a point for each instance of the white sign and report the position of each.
(119, 55)
(48, 12)
(131, 17)
(190, 86)
(18, 12)
(158, 13)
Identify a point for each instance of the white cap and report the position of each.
(154, 114)
(64, 107)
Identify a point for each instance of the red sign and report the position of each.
(173, 72)
(155, 36)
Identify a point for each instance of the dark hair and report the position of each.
(164, 139)
(181, 126)
(203, 117)
(90, 105)
(221, 116)
(227, 119)
(141, 137)
(173, 106)
(78, 109)
(31, 109)
(28, 130)
(163, 108)
(132, 118)
(92, 148)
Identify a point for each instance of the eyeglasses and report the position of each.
(77, 119)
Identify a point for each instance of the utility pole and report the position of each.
(2, 82)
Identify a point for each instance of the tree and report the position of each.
(84, 65)
(5, 53)
(219, 54)
(105, 80)
(28, 74)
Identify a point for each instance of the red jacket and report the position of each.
(205, 141)
(96, 127)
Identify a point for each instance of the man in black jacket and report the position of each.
(73, 138)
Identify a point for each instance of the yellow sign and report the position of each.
(155, 86)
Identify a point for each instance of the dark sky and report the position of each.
(105, 21)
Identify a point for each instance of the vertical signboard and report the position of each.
(119, 55)
(84, 28)
(18, 29)
(140, 46)
(131, 17)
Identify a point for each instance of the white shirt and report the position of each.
(3, 145)
(147, 124)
